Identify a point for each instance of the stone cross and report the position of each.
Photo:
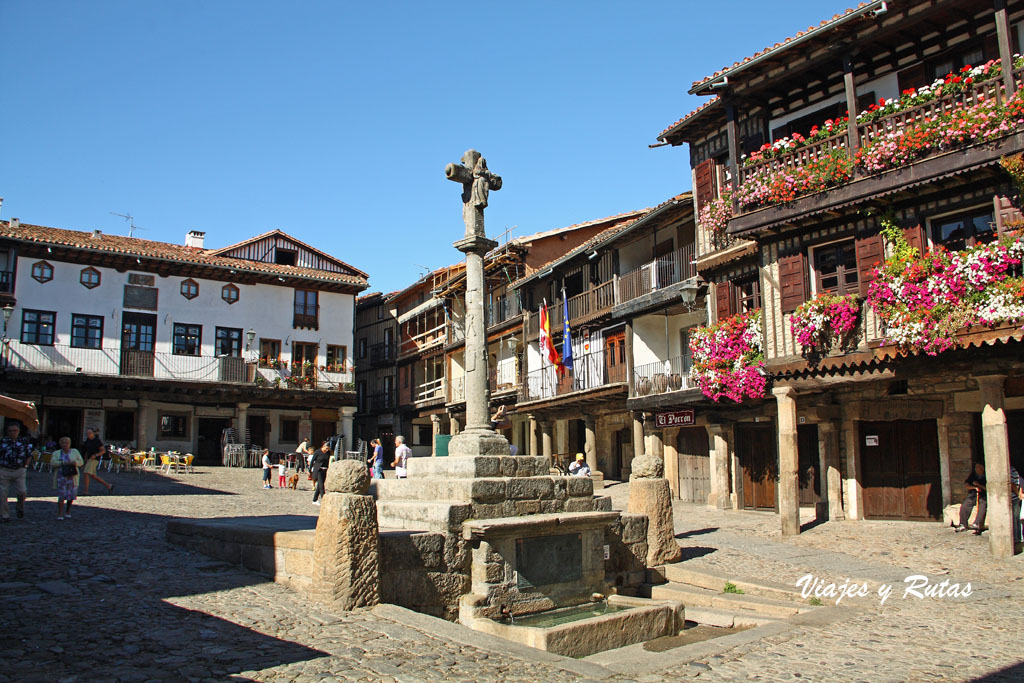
(479, 438)
(477, 182)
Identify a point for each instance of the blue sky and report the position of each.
(333, 121)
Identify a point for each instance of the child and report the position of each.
(282, 473)
(266, 469)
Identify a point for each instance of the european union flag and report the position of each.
(566, 336)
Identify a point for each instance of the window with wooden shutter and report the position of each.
(1006, 213)
(792, 281)
(870, 252)
(914, 235)
(704, 182)
(835, 268)
(960, 230)
(913, 77)
(723, 300)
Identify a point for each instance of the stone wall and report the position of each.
(626, 566)
(426, 572)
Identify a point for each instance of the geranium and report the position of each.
(924, 302)
(715, 215)
(728, 358)
(826, 318)
(775, 185)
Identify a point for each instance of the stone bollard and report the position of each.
(346, 560)
(649, 494)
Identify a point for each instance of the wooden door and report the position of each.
(809, 477)
(756, 450)
(138, 344)
(615, 357)
(694, 464)
(322, 431)
(900, 470)
(259, 431)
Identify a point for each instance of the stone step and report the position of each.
(442, 515)
(481, 489)
(715, 581)
(471, 466)
(703, 597)
(712, 616)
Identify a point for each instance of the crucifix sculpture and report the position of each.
(478, 438)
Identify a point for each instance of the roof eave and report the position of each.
(868, 8)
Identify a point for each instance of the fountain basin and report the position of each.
(576, 632)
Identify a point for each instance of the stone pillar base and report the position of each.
(346, 565)
(478, 442)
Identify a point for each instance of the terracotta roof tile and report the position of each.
(698, 110)
(164, 251)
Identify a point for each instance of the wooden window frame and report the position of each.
(305, 315)
(226, 291)
(328, 354)
(189, 289)
(285, 432)
(37, 323)
(186, 337)
(739, 296)
(264, 360)
(88, 272)
(217, 337)
(843, 288)
(42, 272)
(185, 432)
(969, 240)
(86, 318)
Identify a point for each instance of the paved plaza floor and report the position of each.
(103, 596)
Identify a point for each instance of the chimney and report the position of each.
(1, 202)
(96, 234)
(15, 222)
(195, 238)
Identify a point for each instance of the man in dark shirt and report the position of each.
(318, 468)
(975, 495)
(93, 451)
(15, 455)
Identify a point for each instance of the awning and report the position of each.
(20, 410)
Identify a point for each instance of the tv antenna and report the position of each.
(131, 222)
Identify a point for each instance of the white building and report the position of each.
(163, 345)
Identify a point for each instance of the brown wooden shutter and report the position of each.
(870, 252)
(1005, 213)
(704, 182)
(912, 77)
(915, 238)
(724, 300)
(793, 281)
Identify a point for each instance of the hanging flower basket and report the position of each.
(825, 321)
(728, 358)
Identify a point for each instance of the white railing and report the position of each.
(64, 359)
(430, 390)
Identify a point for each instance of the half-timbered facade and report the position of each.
(881, 131)
(164, 345)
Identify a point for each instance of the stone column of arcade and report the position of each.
(789, 462)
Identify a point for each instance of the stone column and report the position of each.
(649, 494)
(672, 459)
(652, 439)
(997, 464)
(853, 491)
(347, 414)
(479, 438)
(831, 477)
(435, 429)
(145, 418)
(346, 560)
(590, 443)
(944, 480)
(638, 435)
(546, 438)
(719, 446)
(533, 426)
(789, 462)
(453, 425)
(242, 419)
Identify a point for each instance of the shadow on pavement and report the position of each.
(88, 598)
(693, 552)
(125, 483)
(697, 532)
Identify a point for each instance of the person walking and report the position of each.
(302, 455)
(377, 460)
(66, 462)
(976, 495)
(93, 451)
(318, 468)
(15, 455)
(266, 468)
(402, 453)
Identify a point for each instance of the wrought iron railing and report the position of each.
(661, 377)
(590, 371)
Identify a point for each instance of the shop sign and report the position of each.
(678, 418)
(63, 402)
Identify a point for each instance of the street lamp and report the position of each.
(8, 312)
(250, 336)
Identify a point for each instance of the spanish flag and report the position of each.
(547, 347)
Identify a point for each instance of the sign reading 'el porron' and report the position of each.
(678, 418)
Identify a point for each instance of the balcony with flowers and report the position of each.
(728, 358)
(970, 113)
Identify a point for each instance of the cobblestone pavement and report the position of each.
(104, 597)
